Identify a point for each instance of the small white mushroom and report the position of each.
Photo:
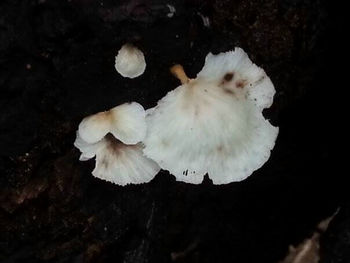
(117, 162)
(214, 124)
(172, 11)
(93, 128)
(130, 61)
(114, 137)
(126, 122)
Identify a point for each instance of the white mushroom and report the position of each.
(130, 61)
(172, 11)
(214, 124)
(126, 122)
(114, 138)
(117, 162)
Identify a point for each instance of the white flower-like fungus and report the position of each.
(114, 137)
(126, 122)
(214, 124)
(130, 61)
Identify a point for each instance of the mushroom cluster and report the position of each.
(212, 124)
(114, 137)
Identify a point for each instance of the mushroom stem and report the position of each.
(178, 71)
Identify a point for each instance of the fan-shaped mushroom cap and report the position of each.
(88, 150)
(113, 137)
(93, 128)
(242, 72)
(117, 162)
(126, 122)
(213, 124)
(130, 61)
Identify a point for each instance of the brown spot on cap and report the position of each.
(240, 84)
(228, 76)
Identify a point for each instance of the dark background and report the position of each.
(57, 66)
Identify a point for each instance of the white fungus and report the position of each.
(126, 122)
(172, 11)
(114, 138)
(214, 124)
(130, 61)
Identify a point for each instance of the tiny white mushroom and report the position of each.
(117, 162)
(172, 11)
(214, 124)
(126, 122)
(93, 128)
(130, 61)
(114, 137)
